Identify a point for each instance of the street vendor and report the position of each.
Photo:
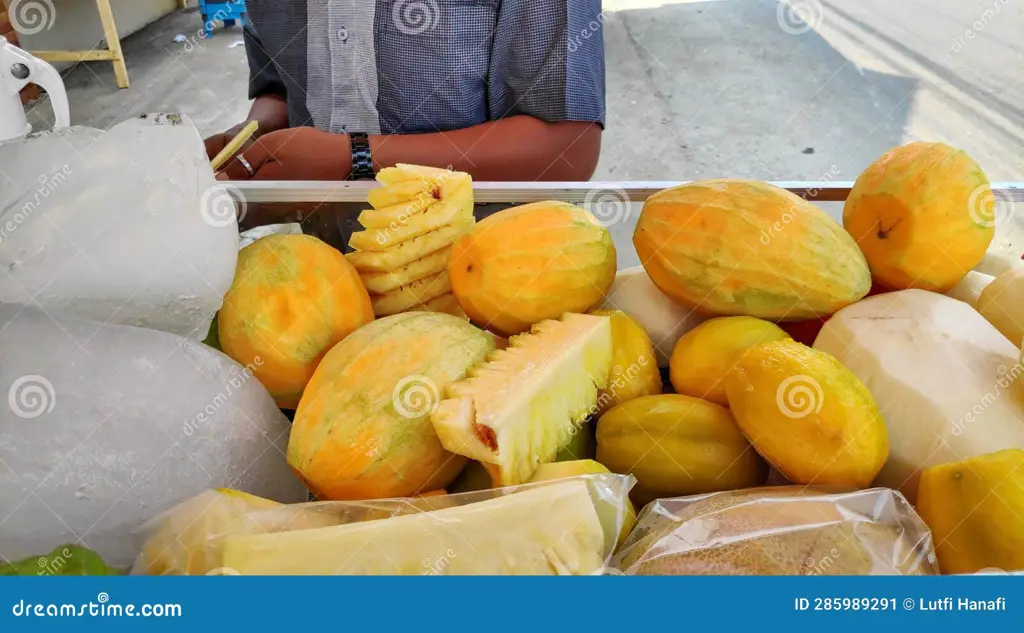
(509, 90)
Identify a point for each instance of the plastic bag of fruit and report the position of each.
(560, 527)
(786, 530)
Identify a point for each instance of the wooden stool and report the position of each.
(112, 53)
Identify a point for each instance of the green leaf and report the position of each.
(66, 560)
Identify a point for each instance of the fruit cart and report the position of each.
(551, 347)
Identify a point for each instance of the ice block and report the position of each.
(104, 426)
(126, 226)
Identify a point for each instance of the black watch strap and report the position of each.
(362, 163)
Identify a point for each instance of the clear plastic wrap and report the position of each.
(559, 527)
(785, 530)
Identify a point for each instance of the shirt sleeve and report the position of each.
(263, 76)
(547, 61)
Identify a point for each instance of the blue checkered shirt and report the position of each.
(409, 66)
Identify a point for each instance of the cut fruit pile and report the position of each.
(402, 256)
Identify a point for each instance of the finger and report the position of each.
(271, 170)
(214, 144)
(255, 155)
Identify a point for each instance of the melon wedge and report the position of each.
(516, 410)
(547, 530)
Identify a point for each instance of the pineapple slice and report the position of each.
(397, 214)
(402, 256)
(396, 194)
(552, 529)
(412, 295)
(410, 251)
(516, 410)
(457, 208)
(382, 283)
(403, 172)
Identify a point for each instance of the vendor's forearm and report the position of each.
(520, 148)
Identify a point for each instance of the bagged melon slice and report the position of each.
(517, 409)
(548, 530)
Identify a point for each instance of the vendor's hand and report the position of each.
(303, 153)
(217, 142)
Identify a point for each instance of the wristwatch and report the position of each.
(362, 163)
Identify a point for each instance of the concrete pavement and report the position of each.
(745, 88)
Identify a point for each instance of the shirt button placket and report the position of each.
(343, 57)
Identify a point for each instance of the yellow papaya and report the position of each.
(531, 263)
(741, 247)
(975, 510)
(808, 415)
(705, 354)
(923, 214)
(292, 299)
(634, 365)
(677, 445)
